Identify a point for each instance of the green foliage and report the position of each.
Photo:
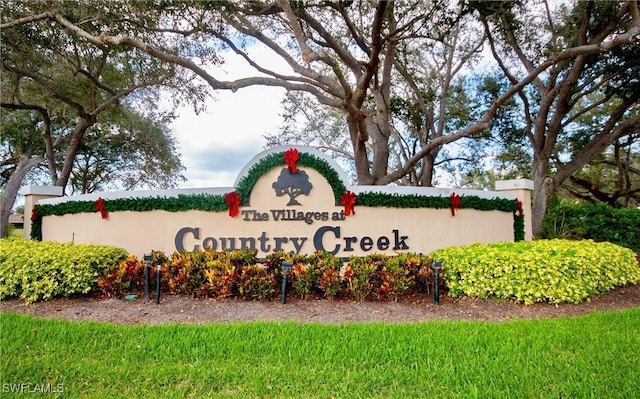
(387, 277)
(423, 201)
(330, 282)
(258, 282)
(598, 222)
(555, 271)
(204, 273)
(127, 277)
(221, 278)
(306, 276)
(43, 270)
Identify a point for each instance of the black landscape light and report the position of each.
(158, 273)
(147, 280)
(437, 266)
(286, 268)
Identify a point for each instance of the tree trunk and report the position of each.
(11, 190)
(74, 147)
(543, 187)
(426, 178)
(360, 152)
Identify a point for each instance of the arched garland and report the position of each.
(276, 159)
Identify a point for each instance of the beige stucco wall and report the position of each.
(424, 229)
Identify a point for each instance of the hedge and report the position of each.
(35, 270)
(555, 271)
(598, 222)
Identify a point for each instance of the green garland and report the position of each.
(518, 227)
(276, 159)
(423, 201)
(217, 203)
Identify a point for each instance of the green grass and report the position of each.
(594, 356)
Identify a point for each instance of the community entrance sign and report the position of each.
(295, 200)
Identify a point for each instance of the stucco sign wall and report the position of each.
(286, 199)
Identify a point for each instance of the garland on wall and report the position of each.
(221, 203)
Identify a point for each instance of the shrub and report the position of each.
(555, 271)
(43, 270)
(221, 278)
(330, 282)
(186, 271)
(359, 275)
(419, 267)
(395, 278)
(128, 275)
(305, 276)
(257, 282)
(598, 222)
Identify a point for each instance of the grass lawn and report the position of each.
(595, 356)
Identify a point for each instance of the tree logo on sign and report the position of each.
(293, 185)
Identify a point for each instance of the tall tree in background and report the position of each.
(600, 80)
(424, 99)
(131, 151)
(348, 56)
(61, 87)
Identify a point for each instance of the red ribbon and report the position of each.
(348, 200)
(34, 213)
(519, 211)
(100, 208)
(234, 201)
(455, 203)
(291, 156)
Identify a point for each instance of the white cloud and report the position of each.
(217, 143)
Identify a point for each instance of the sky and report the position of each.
(217, 143)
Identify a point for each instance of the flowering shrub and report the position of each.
(555, 271)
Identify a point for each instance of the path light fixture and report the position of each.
(286, 268)
(147, 279)
(158, 273)
(437, 266)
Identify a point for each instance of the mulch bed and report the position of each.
(414, 308)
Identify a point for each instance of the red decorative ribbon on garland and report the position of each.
(519, 210)
(233, 200)
(455, 203)
(100, 208)
(34, 213)
(348, 200)
(291, 156)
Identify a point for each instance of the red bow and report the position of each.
(291, 156)
(455, 203)
(348, 200)
(519, 211)
(100, 208)
(234, 201)
(34, 214)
